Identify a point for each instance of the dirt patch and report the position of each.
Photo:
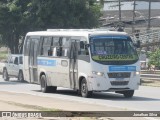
(149, 82)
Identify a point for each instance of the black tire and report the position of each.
(84, 89)
(20, 76)
(5, 75)
(53, 89)
(44, 87)
(128, 93)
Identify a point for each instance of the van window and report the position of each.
(16, 60)
(11, 60)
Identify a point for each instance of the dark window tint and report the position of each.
(20, 60)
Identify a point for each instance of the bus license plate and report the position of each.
(119, 78)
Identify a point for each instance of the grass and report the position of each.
(39, 108)
(3, 55)
(34, 107)
(153, 83)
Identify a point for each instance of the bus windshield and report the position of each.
(113, 50)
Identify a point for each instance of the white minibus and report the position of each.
(84, 60)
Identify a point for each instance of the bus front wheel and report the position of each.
(128, 93)
(84, 89)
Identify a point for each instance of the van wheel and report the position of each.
(44, 87)
(5, 75)
(20, 76)
(84, 89)
(128, 93)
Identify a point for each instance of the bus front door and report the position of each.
(73, 67)
(33, 61)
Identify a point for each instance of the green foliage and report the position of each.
(154, 58)
(17, 17)
(65, 14)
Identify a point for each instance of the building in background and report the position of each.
(111, 15)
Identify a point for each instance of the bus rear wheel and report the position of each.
(84, 89)
(44, 87)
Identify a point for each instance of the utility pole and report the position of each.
(120, 18)
(133, 22)
(149, 15)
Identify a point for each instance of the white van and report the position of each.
(13, 67)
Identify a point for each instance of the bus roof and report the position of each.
(75, 32)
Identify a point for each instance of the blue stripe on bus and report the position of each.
(45, 62)
(112, 37)
(122, 68)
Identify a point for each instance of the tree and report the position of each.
(154, 58)
(12, 23)
(65, 13)
(17, 17)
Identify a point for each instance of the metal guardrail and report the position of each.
(150, 76)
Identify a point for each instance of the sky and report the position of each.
(141, 5)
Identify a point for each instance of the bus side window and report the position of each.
(61, 47)
(83, 50)
(46, 46)
(27, 46)
(65, 46)
(55, 46)
(50, 51)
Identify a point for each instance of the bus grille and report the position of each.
(119, 75)
(119, 82)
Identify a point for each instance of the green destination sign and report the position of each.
(115, 57)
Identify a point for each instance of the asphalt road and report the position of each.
(145, 99)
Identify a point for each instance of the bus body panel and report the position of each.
(103, 83)
(57, 74)
(26, 68)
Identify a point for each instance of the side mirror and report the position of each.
(87, 45)
(82, 45)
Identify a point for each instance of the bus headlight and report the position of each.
(137, 73)
(98, 73)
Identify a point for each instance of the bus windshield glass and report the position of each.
(113, 50)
